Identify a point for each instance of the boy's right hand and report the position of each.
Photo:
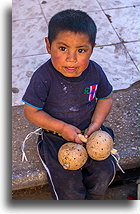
(70, 133)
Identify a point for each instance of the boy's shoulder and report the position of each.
(95, 65)
(44, 72)
(96, 69)
(43, 69)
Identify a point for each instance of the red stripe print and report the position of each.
(92, 92)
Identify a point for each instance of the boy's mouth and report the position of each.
(70, 69)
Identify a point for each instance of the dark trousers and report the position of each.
(88, 183)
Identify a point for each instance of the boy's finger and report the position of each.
(78, 131)
(89, 131)
(77, 139)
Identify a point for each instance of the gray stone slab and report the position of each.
(134, 50)
(125, 22)
(52, 7)
(109, 4)
(25, 174)
(23, 9)
(117, 64)
(28, 37)
(22, 70)
(106, 35)
(123, 119)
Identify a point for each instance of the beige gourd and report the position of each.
(99, 145)
(72, 156)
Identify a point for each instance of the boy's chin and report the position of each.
(71, 73)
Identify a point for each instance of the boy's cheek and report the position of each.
(84, 62)
(60, 59)
(57, 59)
(57, 62)
(56, 56)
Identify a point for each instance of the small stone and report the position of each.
(29, 73)
(43, 2)
(15, 90)
(134, 148)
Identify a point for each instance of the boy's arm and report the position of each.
(45, 121)
(102, 109)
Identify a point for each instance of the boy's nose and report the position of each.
(71, 57)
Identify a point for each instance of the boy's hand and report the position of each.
(92, 128)
(101, 111)
(70, 133)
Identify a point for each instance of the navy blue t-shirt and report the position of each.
(70, 99)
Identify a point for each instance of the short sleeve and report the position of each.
(104, 87)
(37, 91)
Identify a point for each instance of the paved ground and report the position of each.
(117, 49)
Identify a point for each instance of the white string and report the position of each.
(24, 157)
(26, 138)
(117, 161)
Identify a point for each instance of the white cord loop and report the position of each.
(26, 138)
(117, 161)
(38, 133)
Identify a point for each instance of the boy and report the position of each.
(66, 95)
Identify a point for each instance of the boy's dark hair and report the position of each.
(72, 20)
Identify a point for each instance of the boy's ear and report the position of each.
(93, 47)
(48, 46)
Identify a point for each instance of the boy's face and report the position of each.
(70, 53)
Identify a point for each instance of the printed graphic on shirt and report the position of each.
(91, 90)
(86, 90)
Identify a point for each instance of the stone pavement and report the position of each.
(117, 51)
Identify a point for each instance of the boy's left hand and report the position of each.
(101, 111)
(92, 128)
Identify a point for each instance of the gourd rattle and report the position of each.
(72, 156)
(99, 145)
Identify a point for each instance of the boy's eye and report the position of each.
(81, 50)
(62, 48)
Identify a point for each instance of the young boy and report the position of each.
(66, 95)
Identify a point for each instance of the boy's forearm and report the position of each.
(102, 109)
(44, 120)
